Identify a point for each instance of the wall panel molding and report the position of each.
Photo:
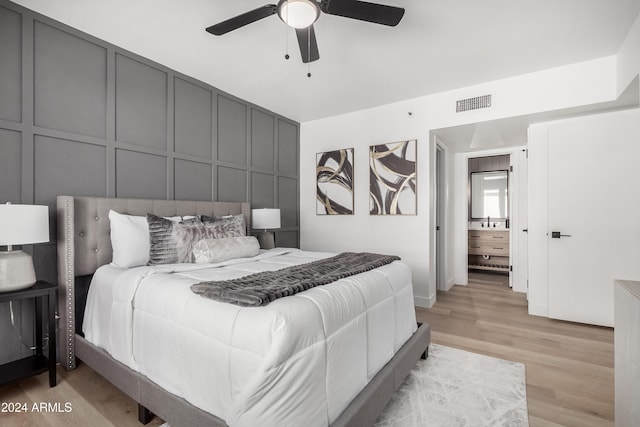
(142, 103)
(81, 116)
(70, 82)
(10, 65)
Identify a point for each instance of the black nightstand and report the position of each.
(38, 363)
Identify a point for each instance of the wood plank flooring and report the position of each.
(569, 366)
(94, 402)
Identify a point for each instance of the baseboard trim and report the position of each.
(450, 284)
(424, 302)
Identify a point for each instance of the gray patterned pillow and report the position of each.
(187, 235)
(218, 250)
(163, 244)
(227, 226)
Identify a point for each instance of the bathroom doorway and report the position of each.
(489, 212)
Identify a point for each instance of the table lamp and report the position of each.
(265, 219)
(20, 225)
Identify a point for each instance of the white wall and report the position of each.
(409, 236)
(406, 236)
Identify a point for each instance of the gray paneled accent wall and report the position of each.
(80, 116)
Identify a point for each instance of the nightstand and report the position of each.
(44, 295)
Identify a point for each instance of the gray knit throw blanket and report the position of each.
(260, 289)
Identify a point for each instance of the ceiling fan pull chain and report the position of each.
(286, 42)
(309, 51)
(286, 33)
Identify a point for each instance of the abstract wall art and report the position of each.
(334, 182)
(392, 178)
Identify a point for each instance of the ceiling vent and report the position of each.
(473, 103)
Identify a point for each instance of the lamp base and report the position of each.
(266, 240)
(16, 271)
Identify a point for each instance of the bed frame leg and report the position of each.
(425, 354)
(144, 415)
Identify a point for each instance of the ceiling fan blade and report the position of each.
(308, 44)
(363, 11)
(242, 20)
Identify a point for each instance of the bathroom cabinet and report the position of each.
(489, 249)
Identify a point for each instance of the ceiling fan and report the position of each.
(301, 15)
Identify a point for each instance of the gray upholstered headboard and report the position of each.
(84, 244)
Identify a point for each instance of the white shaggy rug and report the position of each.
(458, 388)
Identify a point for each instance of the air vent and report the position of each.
(473, 103)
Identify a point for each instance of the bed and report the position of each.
(340, 369)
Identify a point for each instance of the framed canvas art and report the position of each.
(334, 182)
(392, 178)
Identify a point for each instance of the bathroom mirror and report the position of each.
(489, 195)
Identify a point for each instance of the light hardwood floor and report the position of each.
(569, 367)
(94, 402)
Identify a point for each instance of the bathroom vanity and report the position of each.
(489, 249)
(489, 213)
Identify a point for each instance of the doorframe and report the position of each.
(441, 210)
(516, 180)
(435, 144)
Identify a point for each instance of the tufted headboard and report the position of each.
(84, 244)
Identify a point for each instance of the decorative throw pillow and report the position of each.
(218, 250)
(129, 240)
(163, 244)
(186, 235)
(227, 226)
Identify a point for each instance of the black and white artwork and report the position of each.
(334, 182)
(392, 178)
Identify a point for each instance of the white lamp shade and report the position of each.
(23, 224)
(264, 219)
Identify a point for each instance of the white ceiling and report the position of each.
(439, 45)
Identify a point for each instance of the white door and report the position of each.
(594, 213)
(519, 230)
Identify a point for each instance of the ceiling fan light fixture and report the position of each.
(298, 13)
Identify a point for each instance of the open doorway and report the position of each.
(490, 190)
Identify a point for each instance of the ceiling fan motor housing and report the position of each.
(298, 13)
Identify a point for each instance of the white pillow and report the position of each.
(129, 240)
(218, 250)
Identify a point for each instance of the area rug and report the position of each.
(458, 388)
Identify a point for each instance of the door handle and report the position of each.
(557, 235)
(526, 230)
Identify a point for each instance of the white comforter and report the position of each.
(298, 361)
